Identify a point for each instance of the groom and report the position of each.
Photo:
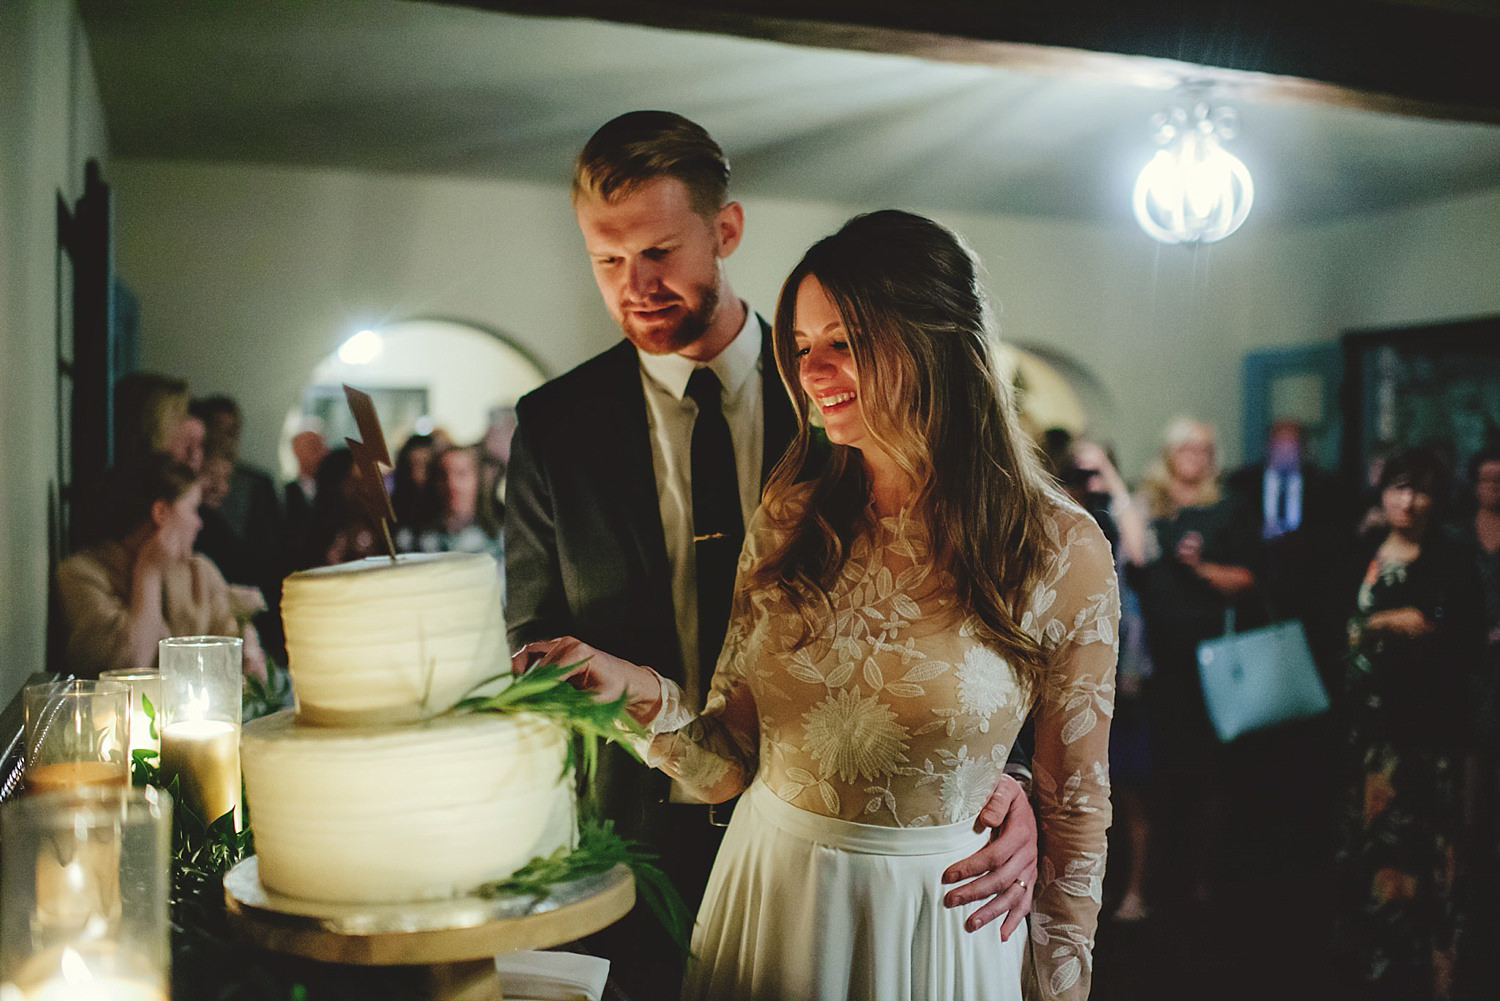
(599, 497)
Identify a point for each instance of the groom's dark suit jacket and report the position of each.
(585, 555)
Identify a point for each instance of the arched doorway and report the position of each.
(424, 375)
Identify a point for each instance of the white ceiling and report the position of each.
(416, 87)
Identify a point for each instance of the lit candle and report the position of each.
(204, 756)
(145, 706)
(77, 735)
(200, 725)
(100, 989)
(76, 775)
(77, 882)
(83, 905)
(75, 980)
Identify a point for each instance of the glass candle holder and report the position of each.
(84, 903)
(77, 734)
(145, 706)
(202, 694)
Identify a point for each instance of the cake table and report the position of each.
(454, 940)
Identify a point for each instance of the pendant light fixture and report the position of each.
(1193, 190)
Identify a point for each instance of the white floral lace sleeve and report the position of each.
(714, 752)
(1077, 613)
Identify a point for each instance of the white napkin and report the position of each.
(551, 976)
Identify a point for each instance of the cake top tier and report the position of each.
(405, 564)
(382, 641)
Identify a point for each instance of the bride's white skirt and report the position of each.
(810, 907)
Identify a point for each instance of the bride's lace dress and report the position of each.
(896, 714)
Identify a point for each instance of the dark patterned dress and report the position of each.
(1400, 921)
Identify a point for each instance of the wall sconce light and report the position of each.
(1193, 190)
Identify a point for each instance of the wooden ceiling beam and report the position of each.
(1426, 58)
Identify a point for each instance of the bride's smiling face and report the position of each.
(825, 365)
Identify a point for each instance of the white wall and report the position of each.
(248, 275)
(51, 122)
(1396, 279)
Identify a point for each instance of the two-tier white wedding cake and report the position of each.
(371, 791)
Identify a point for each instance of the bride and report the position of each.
(897, 618)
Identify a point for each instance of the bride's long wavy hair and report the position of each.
(918, 325)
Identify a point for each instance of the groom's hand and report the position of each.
(1004, 871)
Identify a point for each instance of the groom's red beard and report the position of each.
(681, 327)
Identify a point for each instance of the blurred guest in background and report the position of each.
(1417, 631)
(1196, 559)
(138, 581)
(1480, 536)
(460, 521)
(340, 531)
(244, 537)
(1305, 523)
(413, 463)
(309, 449)
(231, 554)
(250, 505)
(1056, 444)
(149, 411)
(187, 442)
(1372, 519)
(1303, 528)
(214, 477)
(237, 561)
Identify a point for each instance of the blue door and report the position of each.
(1302, 383)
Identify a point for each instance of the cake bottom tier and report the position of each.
(402, 813)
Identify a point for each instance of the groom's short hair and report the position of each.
(643, 146)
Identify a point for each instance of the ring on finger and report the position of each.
(1021, 883)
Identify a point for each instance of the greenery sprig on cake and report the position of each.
(599, 850)
(544, 690)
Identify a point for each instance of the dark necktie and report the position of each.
(1282, 489)
(718, 528)
(1276, 520)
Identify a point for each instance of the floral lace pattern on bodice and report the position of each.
(897, 714)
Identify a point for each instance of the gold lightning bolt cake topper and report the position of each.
(369, 456)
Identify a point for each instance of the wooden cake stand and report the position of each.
(456, 940)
